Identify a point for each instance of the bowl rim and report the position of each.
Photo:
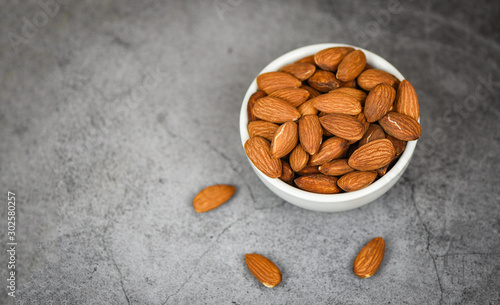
(291, 57)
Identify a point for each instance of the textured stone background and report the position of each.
(113, 115)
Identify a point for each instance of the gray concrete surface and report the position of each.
(113, 115)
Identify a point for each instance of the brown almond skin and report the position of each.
(318, 183)
(378, 102)
(332, 148)
(351, 150)
(349, 84)
(308, 170)
(369, 258)
(307, 109)
(258, 151)
(262, 129)
(343, 126)
(294, 96)
(264, 270)
(301, 71)
(372, 155)
(326, 133)
(368, 79)
(329, 59)
(275, 110)
(407, 101)
(337, 167)
(373, 133)
(272, 81)
(383, 170)
(285, 139)
(310, 133)
(399, 145)
(337, 102)
(312, 92)
(356, 180)
(401, 126)
(287, 173)
(361, 118)
(351, 66)
(251, 103)
(298, 158)
(323, 81)
(357, 94)
(212, 197)
(308, 60)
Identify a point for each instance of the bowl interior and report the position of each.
(394, 173)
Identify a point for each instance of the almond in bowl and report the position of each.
(330, 127)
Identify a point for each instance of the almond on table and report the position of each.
(212, 197)
(264, 270)
(369, 258)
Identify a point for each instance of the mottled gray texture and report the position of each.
(105, 155)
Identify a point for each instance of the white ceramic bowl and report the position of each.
(327, 202)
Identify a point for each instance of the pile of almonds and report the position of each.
(329, 122)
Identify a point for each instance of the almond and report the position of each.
(383, 170)
(212, 197)
(379, 101)
(258, 151)
(361, 118)
(262, 129)
(343, 125)
(373, 155)
(373, 133)
(286, 172)
(301, 71)
(285, 139)
(323, 81)
(310, 133)
(307, 109)
(368, 79)
(308, 170)
(351, 150)
(308, 60)
(407, 101)
(336, 102)
(326, 133)
(251, 103)
(337, 167)
(264, 270)
(369, 258)
(318, 183)
(329, 59)
(356, 180)
(275, 110)
(351, 66)
(399, 145)
(294, 96)
(312, 92)
(298, 157)
(272, 81)
(401, 126)
(332, 148)
(357, 94)
(349, 84)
